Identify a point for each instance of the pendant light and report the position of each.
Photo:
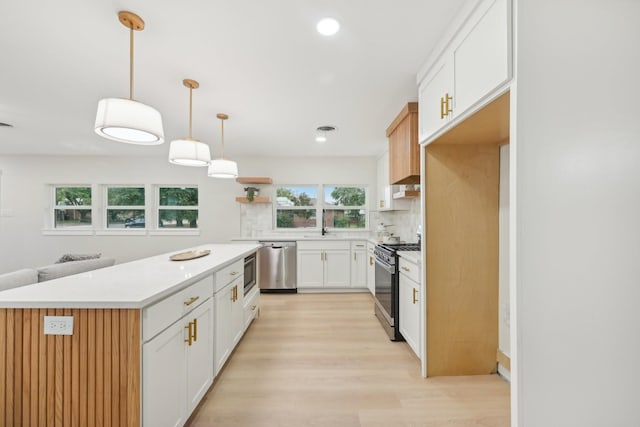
(127, 120)
(222, 168)
(189, 151)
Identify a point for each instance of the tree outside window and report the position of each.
(178, 207)
(72, 207)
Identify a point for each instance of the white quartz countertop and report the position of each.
(295, 238)
(413, 256)
(134, 284)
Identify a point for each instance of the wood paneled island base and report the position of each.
(89, 378)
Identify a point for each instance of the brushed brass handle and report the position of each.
(195, 330)
(253, 307)
(191, 301)
(190, 333)
(233, 273)
(448, 107)
(442, 113)
(415, 298)
(406, 269)
(370, 260)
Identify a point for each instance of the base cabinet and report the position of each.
(409, 302)
(359, 264)
(229, 321)
(176, 368)
(324, 264)
(371, 268)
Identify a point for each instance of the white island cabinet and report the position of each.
(142, 340)
(229, 316)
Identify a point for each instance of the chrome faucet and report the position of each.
(324, 230)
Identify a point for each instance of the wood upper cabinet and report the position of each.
(404, 150)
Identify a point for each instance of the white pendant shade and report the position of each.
(129, 121)
(221, 168)
(189, 152)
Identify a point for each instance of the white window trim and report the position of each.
(86, 230)
(105, 230)
(156, 230)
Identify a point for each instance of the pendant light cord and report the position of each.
(190, 107)
(131, 62)
(222, 139)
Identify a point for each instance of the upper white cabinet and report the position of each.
(385, 201)
(472, 65)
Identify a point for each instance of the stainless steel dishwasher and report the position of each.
(277, 267)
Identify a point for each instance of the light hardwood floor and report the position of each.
(324, 360)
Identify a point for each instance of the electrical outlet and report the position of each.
(58, 325)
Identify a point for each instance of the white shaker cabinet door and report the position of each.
(200, 354)
(410, 312)
(337, 270)
(310, 269)
(163, 378)
(433, 90)
(223, 302)
(481, 60)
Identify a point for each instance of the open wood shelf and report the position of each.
(255, 200)
(406, 194)
(254, 180)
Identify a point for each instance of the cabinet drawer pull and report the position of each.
(406, 269)
(415, 298)
(253, 307)
(195, 330)
(370, 260)
(442, 113)
(189, 333)
(191, 301)
(233, 273)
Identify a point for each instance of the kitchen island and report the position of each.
(103, 368)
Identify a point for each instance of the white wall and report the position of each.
(577, 213)
(24, 180)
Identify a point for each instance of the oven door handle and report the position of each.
(387, 267)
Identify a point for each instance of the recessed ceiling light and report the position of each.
(328, 26)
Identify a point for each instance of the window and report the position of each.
(296, 207)
(307, 206)
(178, 207)
(72, 207)
(125, 207)
(345, 207)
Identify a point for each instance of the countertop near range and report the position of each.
(134, 284)
(413, 256)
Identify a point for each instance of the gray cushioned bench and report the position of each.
(28, 276)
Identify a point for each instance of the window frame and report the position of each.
(156, 229)
(320, 206)
(104, 209)
(54, 206)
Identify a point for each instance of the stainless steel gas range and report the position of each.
(387, 286)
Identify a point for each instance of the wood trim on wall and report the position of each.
(504, 360)
(89, 378)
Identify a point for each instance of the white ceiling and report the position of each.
(261, 62)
